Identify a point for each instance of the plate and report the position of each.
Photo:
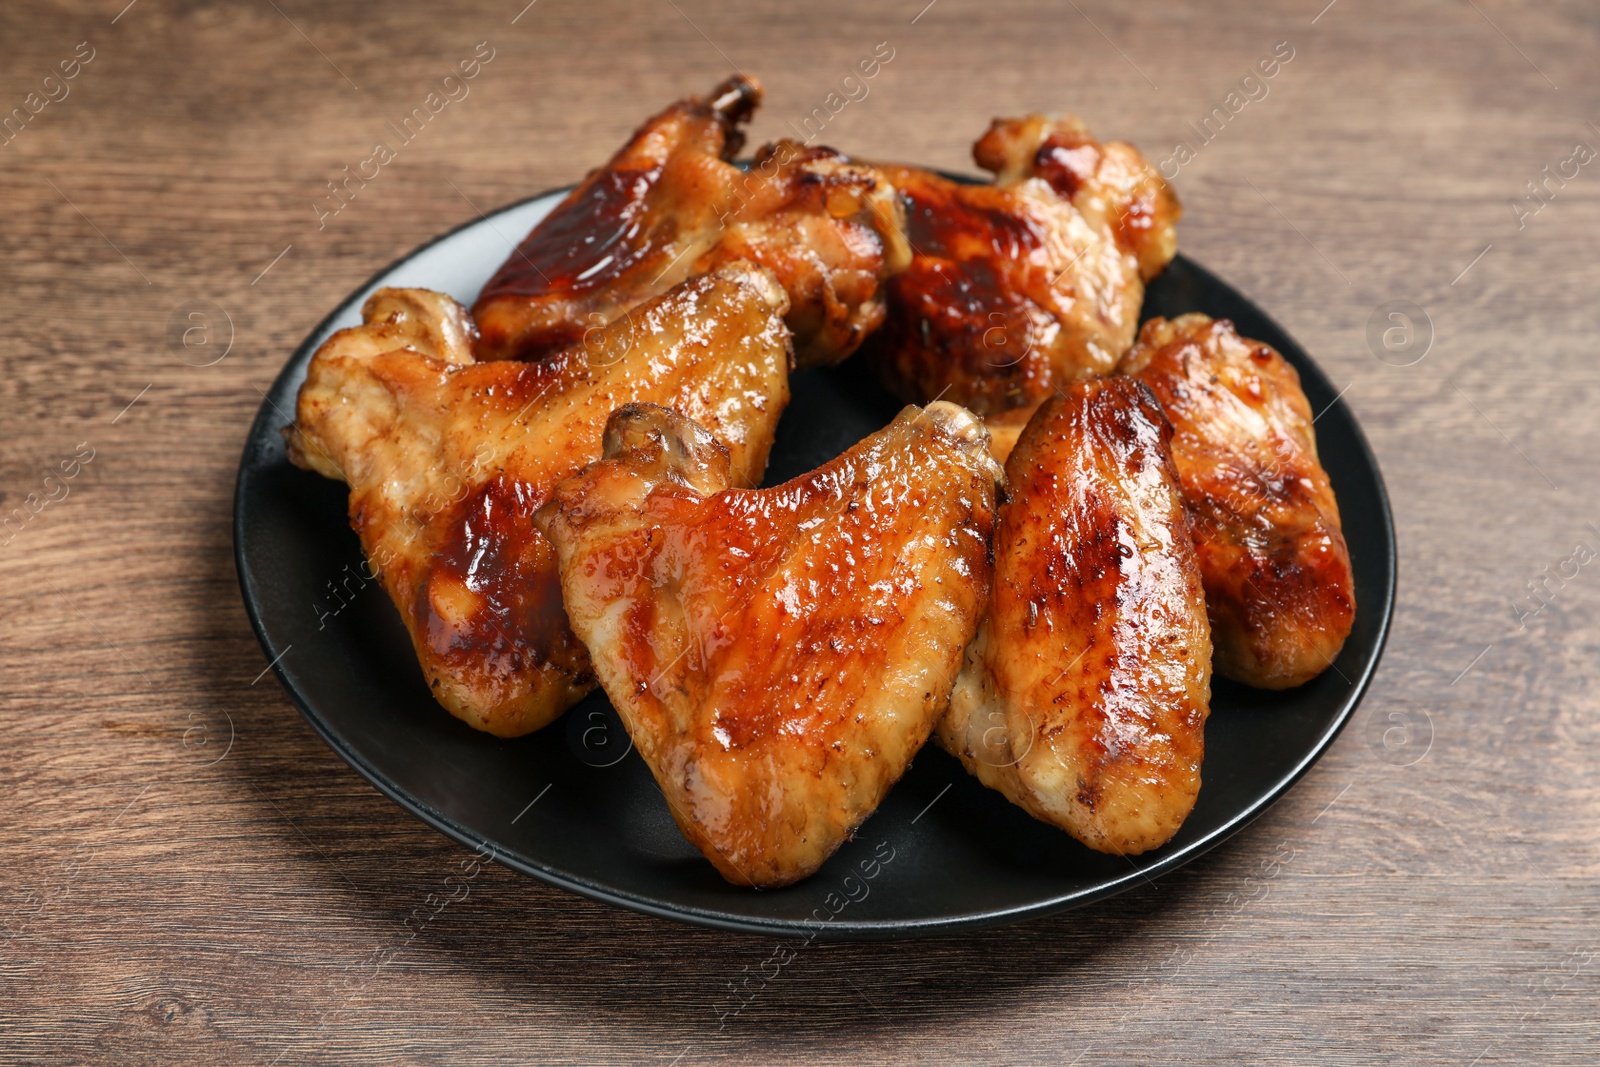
(574, 806)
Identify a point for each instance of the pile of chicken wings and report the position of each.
(1038, 563)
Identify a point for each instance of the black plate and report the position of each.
(573, 806)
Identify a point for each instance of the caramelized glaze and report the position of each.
(670, 204)
(1017, 287)
(447, 461)
(1277, 571)
(1084, 697)
(778, 655)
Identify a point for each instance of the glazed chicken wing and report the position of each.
(1277, 571)
(1085, 695)
(447, 460)
(777, 655)
(1019, 286)
(670, 205)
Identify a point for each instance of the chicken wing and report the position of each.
(447, 459)
(1085, 695)
(1277, 571)
(670, 205)
(1016, 287)
(777, 655)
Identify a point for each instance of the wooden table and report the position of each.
(1427, 895)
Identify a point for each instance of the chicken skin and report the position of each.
(1017, 287)
(1085, 695)
(777, 655)
(1266, 526)
(670, 205)
(447, 459)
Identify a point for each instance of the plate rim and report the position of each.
(837, 930)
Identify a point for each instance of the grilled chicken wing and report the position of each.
(1277, 571)
(1017, 287)
(777, 655)
(670, 205)
(1085, 695)
(447, 460)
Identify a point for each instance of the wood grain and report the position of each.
(168, 899)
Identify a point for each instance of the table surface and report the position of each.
(190, 875)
